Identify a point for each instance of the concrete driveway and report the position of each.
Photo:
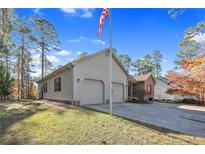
(183, 118)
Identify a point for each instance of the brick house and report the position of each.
(141, 87)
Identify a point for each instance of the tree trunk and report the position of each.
(4, 32)
(22, 68)
(42, 61)
(29, 91)
(18, 75)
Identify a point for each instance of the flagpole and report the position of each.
(110, 62)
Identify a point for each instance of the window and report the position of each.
(57, 84)
(149, 88)
(45, 87)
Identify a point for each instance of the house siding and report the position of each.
(161, 92)
(138, 89)
(66, 93)
(97, 68)
(149, 82)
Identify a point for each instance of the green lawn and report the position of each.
(33, 122)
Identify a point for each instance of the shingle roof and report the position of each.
(70, 65)
(141, 77)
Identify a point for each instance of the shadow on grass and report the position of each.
(66, 106)
(11, 114)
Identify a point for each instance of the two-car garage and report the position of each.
(86, 81)
(93, 92)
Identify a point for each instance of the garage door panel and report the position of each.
(117, 92)
(92, 92)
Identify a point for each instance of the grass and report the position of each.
(34, 122)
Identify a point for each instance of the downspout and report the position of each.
(72, 66)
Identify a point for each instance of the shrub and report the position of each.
(189, 101)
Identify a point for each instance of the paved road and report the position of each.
(183, 118)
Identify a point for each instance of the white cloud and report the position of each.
(79, 52)
(36, 59)
(37, 11)
(35, 50)
(84, 13)
(74, 41)
(53, 59)
(99, 42)
(94, 41)
(37, 63)
(70, 59)
(200, 38)
(63, 53)
(68, 10)
(37, 72)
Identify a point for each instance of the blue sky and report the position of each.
(136, 32)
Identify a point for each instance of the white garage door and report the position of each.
(117, 92)
(92, 92)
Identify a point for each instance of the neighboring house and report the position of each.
(141, 87)
(161, 88)
(86, 81)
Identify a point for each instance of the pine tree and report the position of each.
(28, 78)
(156, 58)
(46, 38)
(7, 26)
(126, 61)
(189, 79)
(148, 64)
(48, 66)
(5, 82)
(25, 43)
(138, 67)
(190, 48)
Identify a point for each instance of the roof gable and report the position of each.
(142, 78)
(100, 52)
(70, 65)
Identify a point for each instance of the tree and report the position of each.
(46, 38)
(157, 59)
(7, 22)
(28, 80)
(190, 48)
(139, 67)
(191, 61)
(187, 85)
(126, 61)
(16, 70)
(148, 64)
(82, 55)
(5, 82)
(48, 66)
(174, 13)
(26, 40)
(143, 66)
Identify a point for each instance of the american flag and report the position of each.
(104, 14)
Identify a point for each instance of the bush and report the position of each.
(5, 82)
(189, 101)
